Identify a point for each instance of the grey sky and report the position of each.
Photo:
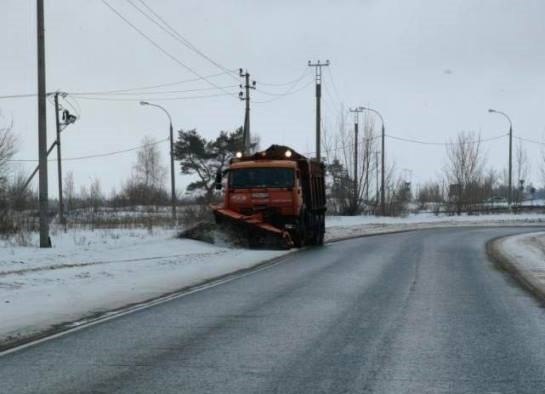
(432, 68)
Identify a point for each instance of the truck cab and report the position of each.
(277, 190)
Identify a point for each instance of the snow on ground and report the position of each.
(348, 226)
(526, 253)
(88, 272)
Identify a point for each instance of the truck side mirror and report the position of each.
(218, 180)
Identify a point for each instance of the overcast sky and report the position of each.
(432, 68)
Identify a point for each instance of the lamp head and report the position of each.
(144, 103)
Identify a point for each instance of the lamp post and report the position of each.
(510, 180)
(382, 198)
(172, 182)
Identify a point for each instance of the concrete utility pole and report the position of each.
(45, 242)
(246, 97)
(172, 173)
(67, 118)
(382, 189)
(356, 112)
(59, 166)
(318, 68)
(510, 180)
(376, 177)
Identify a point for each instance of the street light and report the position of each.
(382, 200)
(510, 180)
(172, 182)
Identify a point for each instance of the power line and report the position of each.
(529, 140)
(338, 96)
(166, 27)
(148, 87)
(95, 155)
(415, 141)
(288, 93)
(97, 98)
(24, 95)
(293, 84)
(164, 51)
(139, 93)
(285, 83)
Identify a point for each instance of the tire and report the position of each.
(299, 235)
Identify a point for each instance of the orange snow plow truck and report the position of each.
(274, 198)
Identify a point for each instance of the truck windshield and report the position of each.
(261, 177)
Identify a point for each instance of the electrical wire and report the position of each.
(285, 83)
(139, 93)
(24, 95)
(164, 51)
(148, 87)
(529, 140)
(283, 95)
(75, 105)
(96, 155)
(113, 99)
(415, 141)
(338, 96)
(166, 27)
(293, 85)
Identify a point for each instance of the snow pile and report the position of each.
(525, 254)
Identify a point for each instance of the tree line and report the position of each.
(465, 181)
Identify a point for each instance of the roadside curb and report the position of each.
(525, 278)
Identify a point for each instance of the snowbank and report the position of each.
(524, 256)
(350, 226)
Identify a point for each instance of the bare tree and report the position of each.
(69, 191)
(95, 194)
(522, 169)
(148, 169)
(19, 196)
(365, 166)
(464, 169)
(146, 185)
(7, 150)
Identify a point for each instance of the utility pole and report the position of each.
(59, 167)
(382, 189)
(318, 78)
(376, 176)
(246, 97)
(68, 119)
(356, 112)
(510, 180)
(45, 241)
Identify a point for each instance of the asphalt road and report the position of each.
(417, 312)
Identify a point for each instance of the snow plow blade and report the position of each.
(253, 229)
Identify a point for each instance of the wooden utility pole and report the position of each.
(45, 242)
(246, 97)
(318, 68)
